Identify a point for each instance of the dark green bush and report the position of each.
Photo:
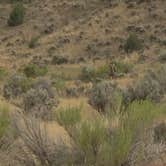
(17, 15)
(33, 70)
(133, 43)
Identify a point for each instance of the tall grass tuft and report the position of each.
(68, 117)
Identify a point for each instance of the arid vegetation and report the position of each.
(82, 83)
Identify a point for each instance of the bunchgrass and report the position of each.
(68, 117)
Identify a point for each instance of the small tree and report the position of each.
(17, 15)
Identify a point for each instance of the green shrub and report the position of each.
(17, 15)
(59, 84)
(68, 117)
(33, 42)
(116, 149)
(89, 137)
(102, 72)
(58, 81)
(117, 68)
(92, 74)
(133, 43)
(132, 126)
(33, 70)
(99, 145)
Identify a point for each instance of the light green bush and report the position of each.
(68, 117)
(89, 137)
(133, 43)
(59, 83)
(138, 117)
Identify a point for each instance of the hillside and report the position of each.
(93, 56)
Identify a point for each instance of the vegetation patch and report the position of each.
(16, 85)
(133, 43)
(91, 73)
(104, 96)
(69, 116)
(39, 100)
(119, 68)
(34, 42)
(33, 70)
(17, 15)
(97, 143)
(3, 73)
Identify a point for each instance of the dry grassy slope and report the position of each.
(79, 30)
(87, 29)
